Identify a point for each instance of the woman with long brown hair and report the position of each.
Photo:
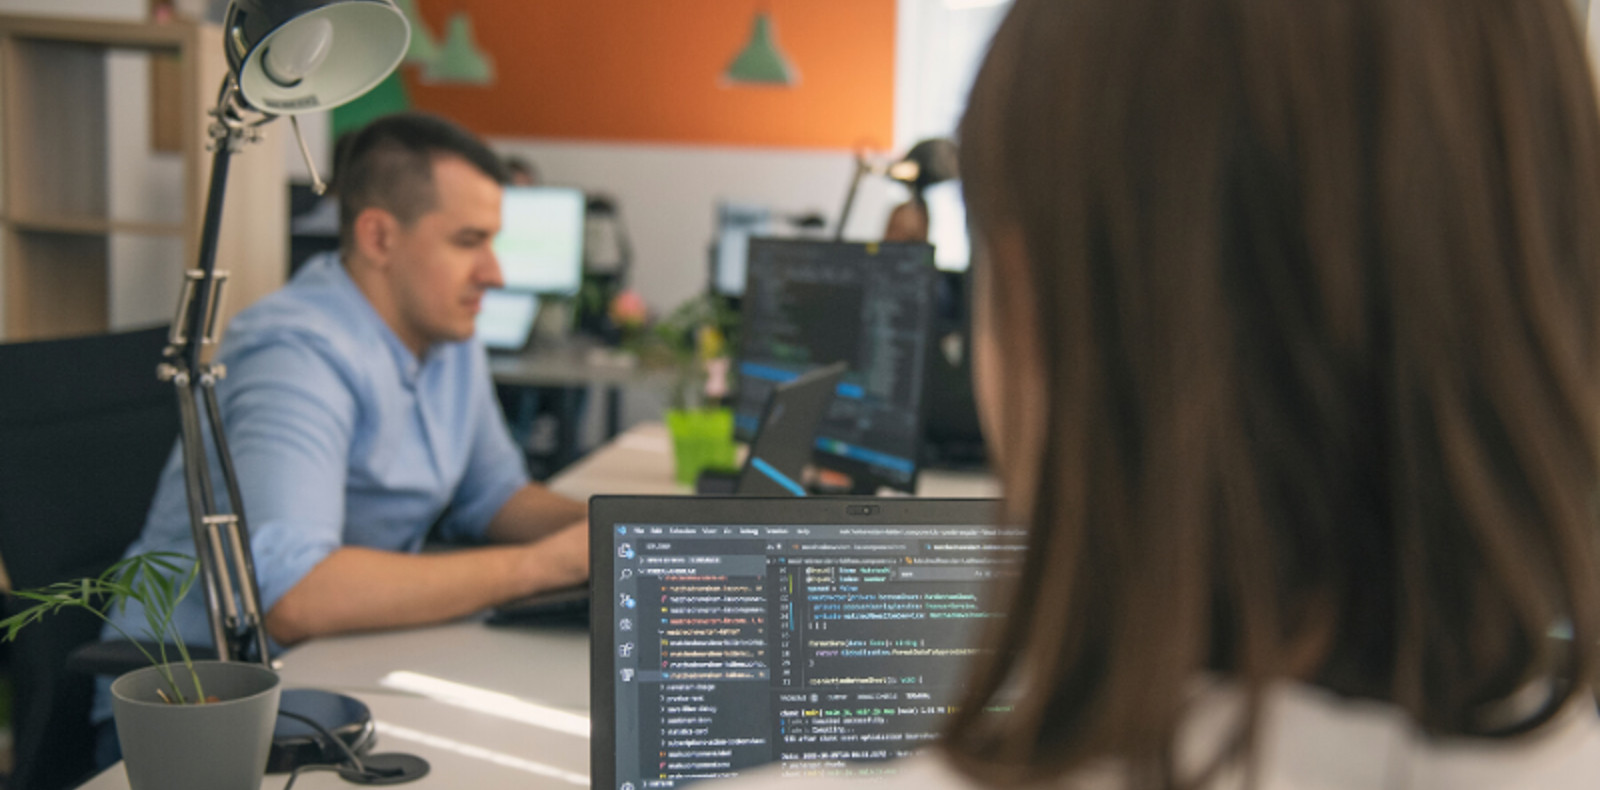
(1289, 352)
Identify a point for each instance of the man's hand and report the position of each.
(562, 558)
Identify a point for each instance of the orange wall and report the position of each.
(650, 70)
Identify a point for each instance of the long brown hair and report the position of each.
(1315, 290)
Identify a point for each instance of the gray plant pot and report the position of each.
(217, 746)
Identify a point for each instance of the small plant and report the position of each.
(695, 334)
(151, 580)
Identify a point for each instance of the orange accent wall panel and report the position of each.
(651, 70)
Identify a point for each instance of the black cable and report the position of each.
(323, 731)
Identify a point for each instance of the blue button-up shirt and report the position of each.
(341, 437)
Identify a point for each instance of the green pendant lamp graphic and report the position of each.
(460, 59)
(761, 62)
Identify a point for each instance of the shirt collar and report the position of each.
(406, 362)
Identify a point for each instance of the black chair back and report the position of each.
(85, 428)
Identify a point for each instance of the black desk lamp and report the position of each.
(929, 162)
(285, 57)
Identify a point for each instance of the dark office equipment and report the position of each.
(84, 430)
(783, 444)
(566, 606)
(731, 633)
(953, 436)
(811, 303)
(313, 225)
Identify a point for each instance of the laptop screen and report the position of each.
(824, 647)
(506, 319)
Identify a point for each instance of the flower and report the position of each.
(628, 310)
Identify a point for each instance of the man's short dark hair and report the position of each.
(389, 165)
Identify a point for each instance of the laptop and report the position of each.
(783, 444)
(505, 320)
(732, 633)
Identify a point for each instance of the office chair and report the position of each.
(85, 428)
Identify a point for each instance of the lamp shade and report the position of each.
(927, 163)
(760, 62)
(299, 56)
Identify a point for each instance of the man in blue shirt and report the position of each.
(360, 413)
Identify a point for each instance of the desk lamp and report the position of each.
(285, 57)
(929, 162)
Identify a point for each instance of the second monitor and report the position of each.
(540, 245)
(814, 303)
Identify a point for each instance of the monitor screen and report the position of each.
(813, 303)
(540, 245)
(736, 224)
(947, 226)
(824, 648)
(506, 319)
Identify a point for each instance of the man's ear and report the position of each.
(375, 234)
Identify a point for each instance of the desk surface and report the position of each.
(491, 707)
(487, 707)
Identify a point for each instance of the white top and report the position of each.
(1316, 741)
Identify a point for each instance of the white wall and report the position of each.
(668, 196)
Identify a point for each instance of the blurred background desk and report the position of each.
(554, 383)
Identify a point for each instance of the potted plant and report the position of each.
(693, 339)
(182, 723)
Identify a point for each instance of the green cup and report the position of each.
(701, 439)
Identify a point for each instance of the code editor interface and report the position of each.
(826, 649)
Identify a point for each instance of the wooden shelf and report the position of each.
(55, 155)
(89, 226)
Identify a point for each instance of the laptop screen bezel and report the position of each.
(606, 512)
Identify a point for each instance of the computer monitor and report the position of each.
(812, 303)
(737, 223)
(947, 226)
(540, 245)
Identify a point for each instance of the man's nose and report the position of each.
(489, 271)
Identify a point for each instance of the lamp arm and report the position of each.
(221, 540)
(850, 196)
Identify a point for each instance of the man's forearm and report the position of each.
(533, 513)
(360, 589)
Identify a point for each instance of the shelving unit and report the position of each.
(57, 222)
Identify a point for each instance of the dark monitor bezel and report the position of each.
(864, 477)
(605, 512)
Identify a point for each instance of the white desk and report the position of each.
(487, 707)
(488, 739)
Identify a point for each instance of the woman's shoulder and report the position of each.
(1315, 739)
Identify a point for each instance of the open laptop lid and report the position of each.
(505, 321)
(729, 633)
(783, 443)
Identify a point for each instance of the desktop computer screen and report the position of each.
(947, 226)
(540, 245)
(814, 303)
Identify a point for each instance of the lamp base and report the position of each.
(295, 743)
